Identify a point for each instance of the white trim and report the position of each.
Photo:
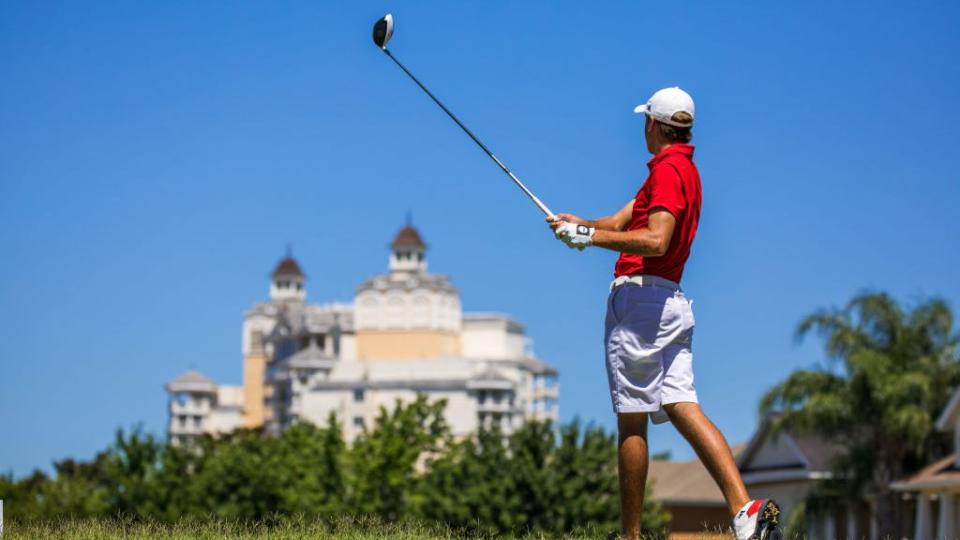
(945, 420)
(781, 475)
(925, 485)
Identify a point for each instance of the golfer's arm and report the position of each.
(651, 241)
(616, 222)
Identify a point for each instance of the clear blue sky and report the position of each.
(156, 157)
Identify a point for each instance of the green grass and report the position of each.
(274, 529)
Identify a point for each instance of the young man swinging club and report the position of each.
(650, 322)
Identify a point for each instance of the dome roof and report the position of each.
(192, 381)
(408, 237)
(287, 267)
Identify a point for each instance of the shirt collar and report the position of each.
(676, 148)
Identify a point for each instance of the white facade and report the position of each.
(198, 406)
(313, 368)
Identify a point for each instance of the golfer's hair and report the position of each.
(677, 134)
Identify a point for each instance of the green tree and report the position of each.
(129, 470)
(468, 485)
(176, 492)
(309, 463)
(890, 372)
(537, 480)
(383, 462)
(236, 476)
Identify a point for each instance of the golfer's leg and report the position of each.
(713, 450)
(632, 462)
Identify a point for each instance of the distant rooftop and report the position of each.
(287, 267)
(408, 236)
(192, 381)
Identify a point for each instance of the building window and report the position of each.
(358, 422)
(183, 420)
(196, 421)
(358, 395)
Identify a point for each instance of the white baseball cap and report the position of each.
(664, 103)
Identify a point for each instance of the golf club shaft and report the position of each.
(543, 208)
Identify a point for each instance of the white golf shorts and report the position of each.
(648, 342)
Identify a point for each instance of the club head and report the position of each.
(383, 31)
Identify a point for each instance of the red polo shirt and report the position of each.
(674, 186)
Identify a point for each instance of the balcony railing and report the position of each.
(189, 407)
(546, 392)
(492, 406)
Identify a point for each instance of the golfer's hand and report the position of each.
(575, 236)
(559, 219)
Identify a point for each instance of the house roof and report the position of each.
(684, 483)
(809, 452)
(818, 452)
(940, 474)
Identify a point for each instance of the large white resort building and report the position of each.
(404, 334)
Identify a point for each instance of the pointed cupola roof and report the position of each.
(408, 237)
(288, 267)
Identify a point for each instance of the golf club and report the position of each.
(382, 32)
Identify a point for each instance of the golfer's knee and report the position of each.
(632, 424)
(680, 410)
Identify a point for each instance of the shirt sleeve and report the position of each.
(666, 190)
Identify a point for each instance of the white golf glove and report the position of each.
(575, 236)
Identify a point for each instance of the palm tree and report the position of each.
(888, 375)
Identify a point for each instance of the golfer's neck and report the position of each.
(661, 147)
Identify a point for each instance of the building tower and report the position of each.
(408, 253)
(192, 397)
(287, 281)
(287, 286)
(407, 312)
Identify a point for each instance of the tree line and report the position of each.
(889, 372)
(408, 466)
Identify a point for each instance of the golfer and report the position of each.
(649, 324)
